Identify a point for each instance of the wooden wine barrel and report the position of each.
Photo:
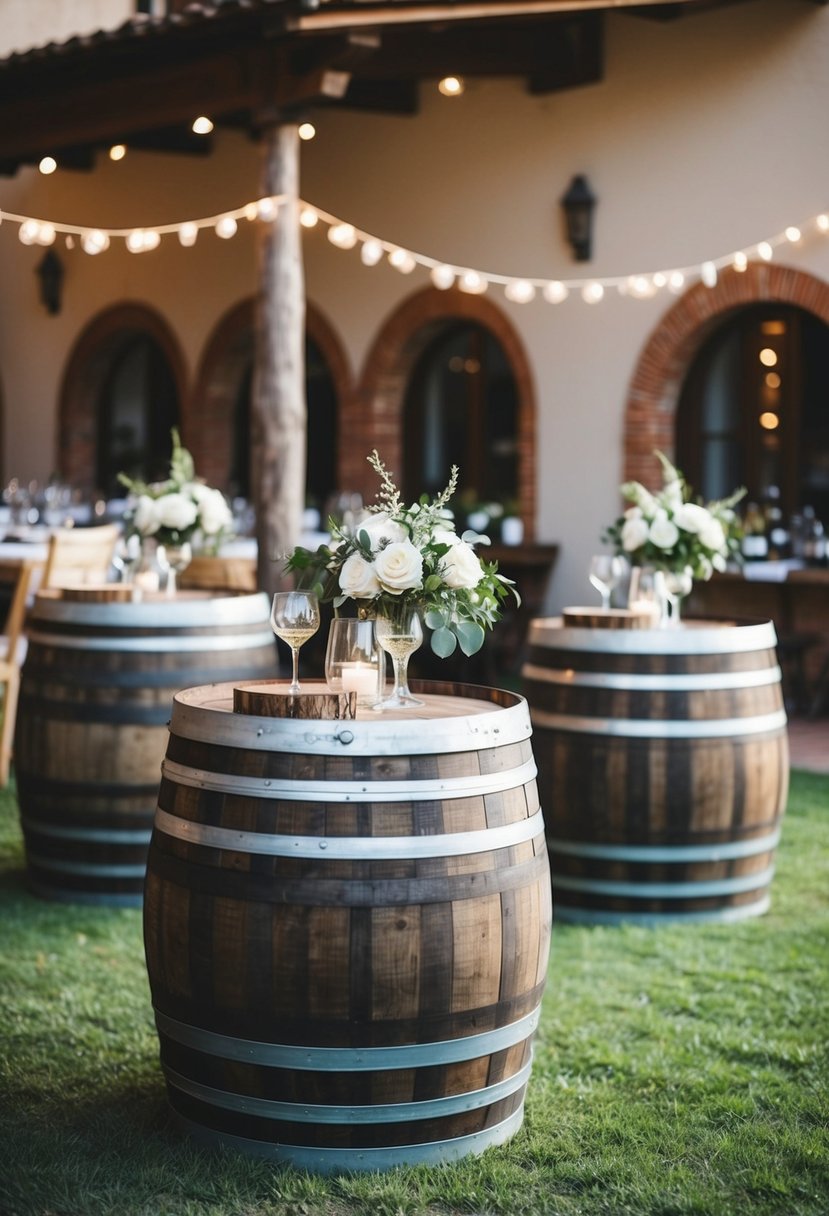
(663, 765)
(95, 698)
(347, 928)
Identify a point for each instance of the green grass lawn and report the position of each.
(678, 1070)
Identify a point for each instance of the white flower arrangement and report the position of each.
(174, 511)
(667, 530)
(403, 557)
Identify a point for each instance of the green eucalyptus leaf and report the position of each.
(470, 636)
(443, 643)
(435, 619)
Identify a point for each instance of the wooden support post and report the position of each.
(279, 409)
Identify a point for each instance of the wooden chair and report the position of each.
(80, 555)
(11, 658)
(219, 574)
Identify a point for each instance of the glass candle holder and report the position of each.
(354, 661)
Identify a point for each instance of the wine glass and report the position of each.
(400, 634)
(678, 584)
(295, 617)
(173, 559)
(605, 573)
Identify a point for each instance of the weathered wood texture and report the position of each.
(96, 692)
(664, 774)
(356, 910)
(271, 699)
(279, 409)
(607, 618)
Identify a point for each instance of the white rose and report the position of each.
(176, 512)
(358, 578)
(381, 529)
(633, 513)
(445, 536)
(214, 514)
(399, 567)
(634, 533)
(460, 567)
(692, 518)
(713, 535)
(663, 533)
(146, 518)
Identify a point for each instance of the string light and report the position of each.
(117, 152)
(306, 130)
(202, 126)
(48, 165)
(451, 86)
(444, 275)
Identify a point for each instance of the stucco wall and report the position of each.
(707, 135)
(28, 23)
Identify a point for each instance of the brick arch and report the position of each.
(377, 420)
(228, 353)
(86, 369)
(657, 382)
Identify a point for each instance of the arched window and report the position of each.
(754, 409)
(461, 407)
(137, 408)
(321, 400)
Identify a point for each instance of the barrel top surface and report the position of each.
(187, 609)
(691, 637)
(477, 719)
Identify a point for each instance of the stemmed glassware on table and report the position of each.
(295, 617)
(678, 584)
(174, 559)
(606, 572)
(400, 633)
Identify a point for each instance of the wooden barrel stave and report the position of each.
(387, 948)
(678, 754)
(96, 692)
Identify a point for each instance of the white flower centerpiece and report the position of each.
(403, 564)
(673, 534)
(178, 513)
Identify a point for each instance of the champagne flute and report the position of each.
(295, 617)
(605, 573)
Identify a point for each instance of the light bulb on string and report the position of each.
(555, 292)
(226, 227)
(141, 240)
(443, 277)
(402, 260)
(473, 283)
(94, 242)
(117, 152)
(793, 234)
(47, 165)
(308, 217)
(519, 291)
(343, 236)
(46, 234)
(592, 293)
(251, 211)
(659, 279)
(765, 251)
(371, 253)
(676, 281)
(740, 262)
(267, 210)
(708, 274)
(306, 131)
(822, 222)
(202, 126)
(188, 234)
(28, 232)
(451, 86)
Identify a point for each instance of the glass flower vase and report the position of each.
(400, 634)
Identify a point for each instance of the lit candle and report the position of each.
(360, 678)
